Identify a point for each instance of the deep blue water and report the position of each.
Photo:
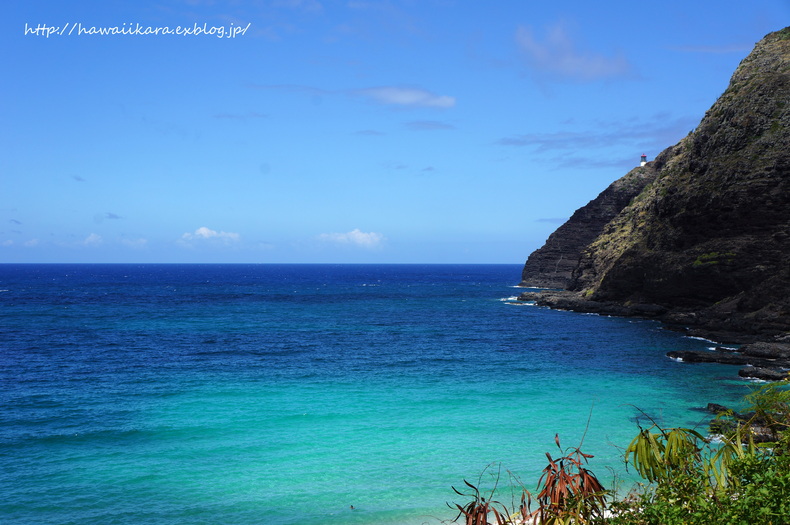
(284, 394)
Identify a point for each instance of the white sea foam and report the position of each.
(700, 338)
(757, 380)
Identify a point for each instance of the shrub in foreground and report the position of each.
(741, 478)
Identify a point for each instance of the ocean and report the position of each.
(311, 394)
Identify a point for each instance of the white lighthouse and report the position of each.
(644, 160)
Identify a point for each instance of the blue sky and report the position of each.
(402, 131)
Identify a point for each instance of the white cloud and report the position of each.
(409, 97)
(387, 95)
(355, 238)
(557, 56)
(92, 240)
(31, 243)
(653, 133)
(207, 234)
(8, 242)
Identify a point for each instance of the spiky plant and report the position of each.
(478, 510)
(570, 492)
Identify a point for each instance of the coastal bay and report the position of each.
(289, 393)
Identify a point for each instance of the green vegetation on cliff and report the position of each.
(708, 238)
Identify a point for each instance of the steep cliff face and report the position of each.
(552, 265)
(709, 237)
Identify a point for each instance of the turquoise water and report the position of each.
(285, 394)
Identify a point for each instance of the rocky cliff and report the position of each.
(706, 242)
(552, 265)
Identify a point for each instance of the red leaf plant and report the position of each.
(570, 493)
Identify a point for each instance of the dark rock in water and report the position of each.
(714, 408)
(701, 356)
(767, 350)
(728, 420)
(772, 368)
(713, 335)
(706, 240)
(565, 300)
(727, 358)
(766, 374)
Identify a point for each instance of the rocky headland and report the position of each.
(552, 266)
(698, 238)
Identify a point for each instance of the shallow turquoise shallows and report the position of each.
(288, 394)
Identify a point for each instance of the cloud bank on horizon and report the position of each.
(357, 131)
(354, 238)
(205, 234)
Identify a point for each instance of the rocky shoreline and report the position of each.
(764, 356)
